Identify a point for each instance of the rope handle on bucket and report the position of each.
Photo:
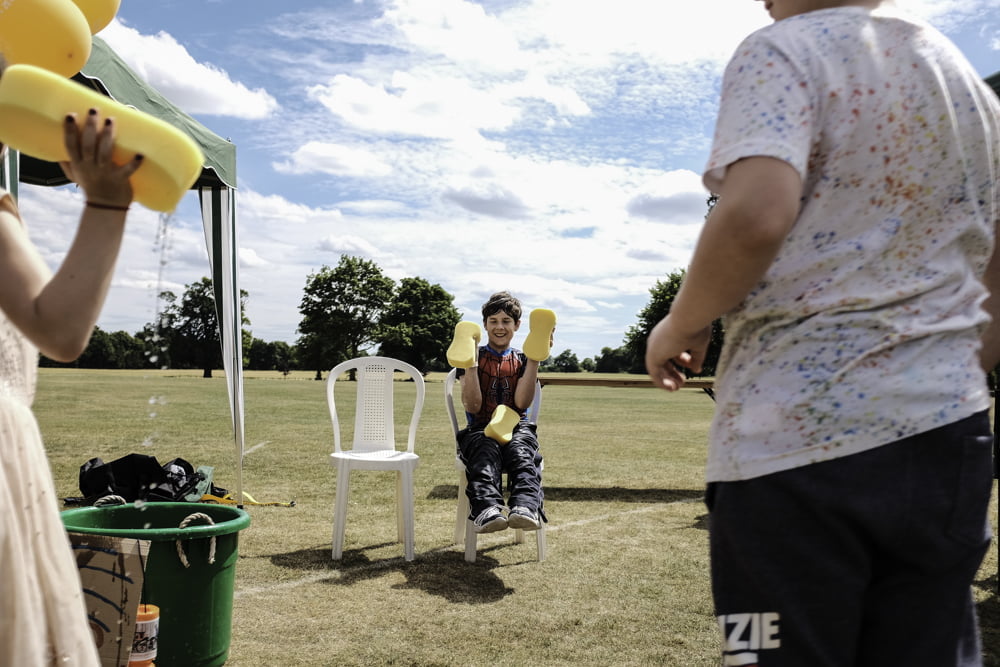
(109, 500)
(211, 549)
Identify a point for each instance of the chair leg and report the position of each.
(400, 508)
(340, 508)
(470, 541)
(406, 513)
(462, 512)
(542, 545)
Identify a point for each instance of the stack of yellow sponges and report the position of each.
(45, 41)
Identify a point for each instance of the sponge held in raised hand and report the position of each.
(462, 353)
(33, 107)
(538, 344)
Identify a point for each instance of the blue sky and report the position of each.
(549, 147)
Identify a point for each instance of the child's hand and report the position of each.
(668, 353)
(90, 165)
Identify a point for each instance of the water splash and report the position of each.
(256, 447)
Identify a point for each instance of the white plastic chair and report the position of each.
(374, 446)
(465, 529)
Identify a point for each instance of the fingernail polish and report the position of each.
(107, 122)
(92, 112)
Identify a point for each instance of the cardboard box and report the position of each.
(112, 570)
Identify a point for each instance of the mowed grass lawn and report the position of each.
(626, 578)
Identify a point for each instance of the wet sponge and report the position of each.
(538, 344)
(33, 107)
(462, 351)
(501, 426)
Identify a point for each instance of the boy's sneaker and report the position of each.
(490, 520)
(523, 518)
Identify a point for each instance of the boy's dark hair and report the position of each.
(504, 301)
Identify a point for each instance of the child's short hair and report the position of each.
(502, 301)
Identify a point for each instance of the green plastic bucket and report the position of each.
(196, 602)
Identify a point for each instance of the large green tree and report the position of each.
(190, 327)
(419, 324)
(662, 297)
(341, 309)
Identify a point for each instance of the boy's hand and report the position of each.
(90, 164)
(669, 352)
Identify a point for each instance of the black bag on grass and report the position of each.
(141, 477)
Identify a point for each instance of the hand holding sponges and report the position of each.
(33, 107)
(464, 348)
(538, 344)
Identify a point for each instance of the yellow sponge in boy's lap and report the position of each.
(538, 344)
(33, 107)
(52, 34)
(462, 353)
(501, 426)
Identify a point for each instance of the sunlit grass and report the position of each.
(625, 582)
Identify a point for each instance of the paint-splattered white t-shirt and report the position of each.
(866, 328)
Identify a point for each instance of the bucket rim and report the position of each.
(239, 520)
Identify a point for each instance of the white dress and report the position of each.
(43, 620)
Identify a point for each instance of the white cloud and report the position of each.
(336, 159)
(550, 147)
(197, 88)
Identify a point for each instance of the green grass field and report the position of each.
(625, 582)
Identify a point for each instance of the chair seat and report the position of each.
(383, 455)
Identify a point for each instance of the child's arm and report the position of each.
(524, 393)
(58, 312)
(758, 204)
(990, 353)
(472, 394)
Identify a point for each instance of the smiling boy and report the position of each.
(855, 156)
(502, 376)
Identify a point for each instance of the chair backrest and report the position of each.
(449, 401)
(374, 415)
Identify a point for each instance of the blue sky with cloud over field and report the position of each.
(549, 147)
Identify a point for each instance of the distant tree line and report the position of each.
(346, 311)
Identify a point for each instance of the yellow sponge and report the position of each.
(462, 353)
(538, 344)
(53, 34)
(33, 107)
(98, 12)
(501, 427)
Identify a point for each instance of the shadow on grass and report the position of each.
(989, 621)
(592, 494)
(441, 573)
